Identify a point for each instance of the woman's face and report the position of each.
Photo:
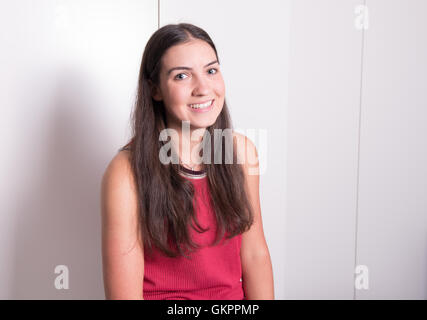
(189, 78)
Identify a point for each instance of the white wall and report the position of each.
(322, 123)
(68, 75)
(343, 111)
(392, 223)
(356, 187)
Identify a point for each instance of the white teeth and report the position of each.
(203, 105)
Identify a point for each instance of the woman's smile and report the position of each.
(202, 107)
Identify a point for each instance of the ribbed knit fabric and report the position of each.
(214, 272)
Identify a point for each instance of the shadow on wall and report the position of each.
(58, 216)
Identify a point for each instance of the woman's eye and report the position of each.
(178, 76)
(182, 76)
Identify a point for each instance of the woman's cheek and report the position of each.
(221, 87)
(179, 96)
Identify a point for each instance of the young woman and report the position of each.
(183, 229)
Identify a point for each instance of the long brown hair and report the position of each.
(165, 198)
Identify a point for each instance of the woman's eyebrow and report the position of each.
(188, 68)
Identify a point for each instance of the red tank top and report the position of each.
(213, 273)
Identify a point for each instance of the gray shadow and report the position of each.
(58, 218)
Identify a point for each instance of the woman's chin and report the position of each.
(203, 122)
(199, 124)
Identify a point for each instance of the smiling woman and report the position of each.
(170, 232)
(188, 86)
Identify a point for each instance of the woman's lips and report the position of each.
(205, 109)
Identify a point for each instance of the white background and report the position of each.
(344, 109)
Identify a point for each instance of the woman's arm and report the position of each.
(122, 249)
(255, 258)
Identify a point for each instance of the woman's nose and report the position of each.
(201, 87)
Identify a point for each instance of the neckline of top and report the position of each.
(192, 174)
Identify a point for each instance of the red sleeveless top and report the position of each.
(213, 273)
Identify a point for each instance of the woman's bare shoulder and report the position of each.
(122, 157)
(119, 167)
(118, 184)
(122, 246)
(246, 149)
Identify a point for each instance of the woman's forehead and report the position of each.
(195, 53)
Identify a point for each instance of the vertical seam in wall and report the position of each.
(358, 158)
(158, 14)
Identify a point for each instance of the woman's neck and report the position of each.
(188, 143)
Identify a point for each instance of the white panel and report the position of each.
(322, 122)
(69, 71)
(392, 229)
(252, 39)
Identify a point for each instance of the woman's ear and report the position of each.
(155, 92)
